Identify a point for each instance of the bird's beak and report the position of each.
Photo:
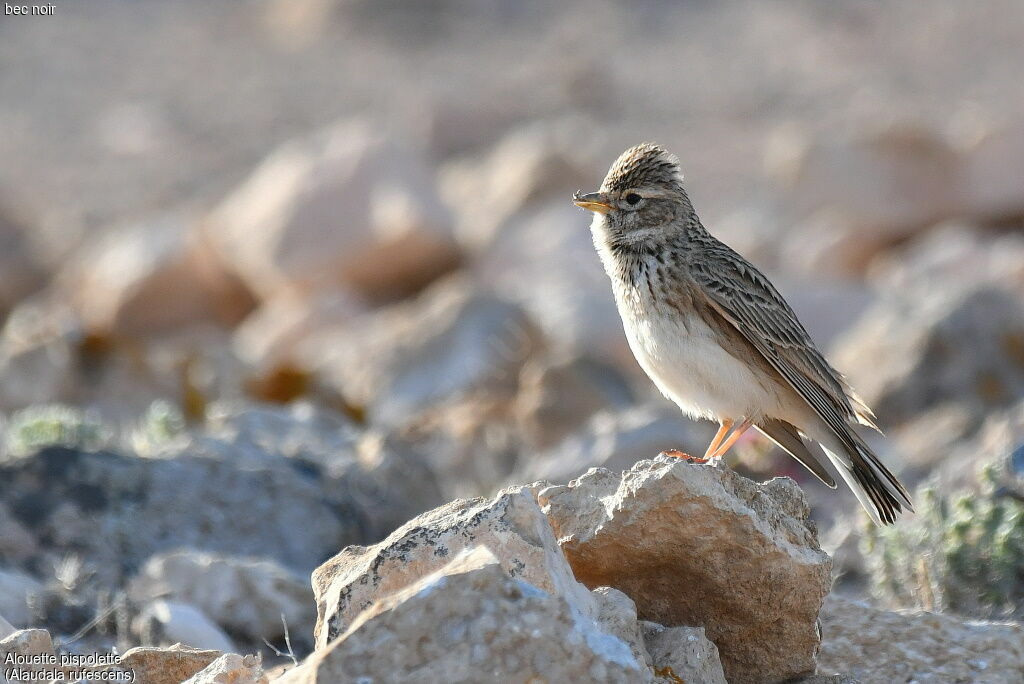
(593, 201)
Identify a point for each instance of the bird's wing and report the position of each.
(745, 298)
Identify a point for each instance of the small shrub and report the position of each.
(54, 424)
(162, 423)
(961, 553)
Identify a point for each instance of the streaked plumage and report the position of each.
(717, 338)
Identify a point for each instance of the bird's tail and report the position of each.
(877, 489)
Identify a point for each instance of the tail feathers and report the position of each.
(877, 489)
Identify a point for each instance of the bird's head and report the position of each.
(642, 197)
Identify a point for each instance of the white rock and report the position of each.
(27, 642)
(347, 206)
(244, 596)
(544, 259)
(994, 172)
(682, 653)
(448, 343)
(510, 525)
(471, 621)
(913, 351)
(878, 646)
(231, 668)
(696, 545)
(172, 622)
(153, 278)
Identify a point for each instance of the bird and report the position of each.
(716, 337)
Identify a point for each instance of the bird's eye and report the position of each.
(633, 198)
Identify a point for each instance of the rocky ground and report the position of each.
(343, 323)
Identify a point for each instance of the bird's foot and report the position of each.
(676, 453)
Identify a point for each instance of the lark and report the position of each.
(718, 339)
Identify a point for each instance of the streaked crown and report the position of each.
(645, 165)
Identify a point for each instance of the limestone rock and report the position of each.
(347, 207)
(888, 185)
(471, 621)
(169, 622)
(700, 546)
(27, 642)
(511, 525)
(616, 615)
(273, 333)
(153, 278)
(540, 162)
(682, 653)
(116, 510)
(231, 668)
(557, 394)
(6, 628)
(544, 260)
(166, 665)
(245, 596)
(908, 354)
(879, 646)
(449, 342)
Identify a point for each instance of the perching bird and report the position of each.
(718, 339)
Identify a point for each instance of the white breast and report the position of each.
(683, 358)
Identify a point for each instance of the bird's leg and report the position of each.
(727, 444)
(723, 428)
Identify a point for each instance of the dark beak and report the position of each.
(593, 201)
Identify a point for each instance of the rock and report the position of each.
(537, 163)
(328, 210)
(471, 621)
(231, 668)
(153, 278)
(909, 354)
(169, 622)
(557, 394)
(17, 590)
(699, 546)
(166, 665)
(886, 186)
(616, 615)
(31, 656)
(511, 525)
(21, 272)
(115, 511)
(545, 261)
(272, 334)
(994, 170)
(246, 596)
(451, 341)
(878, 646)
(952, 252)
(618, 440)
(682, 653)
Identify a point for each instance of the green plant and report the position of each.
(53, 424)
(161, 423)
(961, 553)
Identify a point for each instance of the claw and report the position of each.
(675, 453)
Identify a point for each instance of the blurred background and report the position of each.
(277, 276)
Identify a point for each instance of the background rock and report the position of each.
(873, 645)
(329, 209)
(682, 652)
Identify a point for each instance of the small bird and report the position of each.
(718, 339)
